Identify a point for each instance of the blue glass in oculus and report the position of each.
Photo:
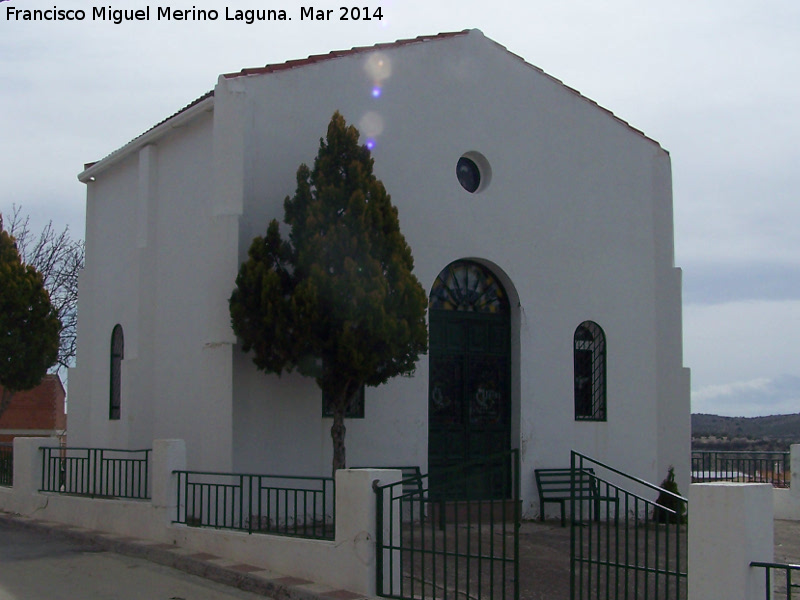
(468, 173)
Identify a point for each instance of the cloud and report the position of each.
(724, 282)
(741, 341)
(756, 397)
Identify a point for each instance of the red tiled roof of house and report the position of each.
(38, 410)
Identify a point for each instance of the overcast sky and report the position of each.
(716, 82)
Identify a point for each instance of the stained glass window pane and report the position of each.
(467, 286)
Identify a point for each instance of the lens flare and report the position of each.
(376, 91)
(370, 144)
(371, 124)
(378, 67)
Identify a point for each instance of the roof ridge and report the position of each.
(315, 58)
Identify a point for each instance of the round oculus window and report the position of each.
(468, 174)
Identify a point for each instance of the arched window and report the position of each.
(590, 372)
(468, 287)
(115, 386)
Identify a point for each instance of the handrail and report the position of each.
(633, 478)
(774, 565)
(775, 452)
(768, 567)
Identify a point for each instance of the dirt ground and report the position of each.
(544, 561)
(544, 557)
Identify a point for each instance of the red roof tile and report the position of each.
(302, 62)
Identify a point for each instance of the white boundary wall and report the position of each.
(730, 526)
(347, 562)
(787, 500)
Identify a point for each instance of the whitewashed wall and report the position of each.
(153, 257)
(576, 223)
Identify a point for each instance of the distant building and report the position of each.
(36, 413)
(541, 228)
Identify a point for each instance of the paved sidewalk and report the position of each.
(243, 576)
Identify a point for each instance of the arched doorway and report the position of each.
(469, 399)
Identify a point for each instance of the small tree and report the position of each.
(29, 325)
(59, 259)
(675, 508)
(337, 301)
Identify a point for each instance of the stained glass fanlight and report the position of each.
(469, 287)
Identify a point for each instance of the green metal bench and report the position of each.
(555, 487)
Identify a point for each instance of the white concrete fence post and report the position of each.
(28, 463)
(730, 526)
(794, 463)
(168, 456)
(356, 518)
(787, 500)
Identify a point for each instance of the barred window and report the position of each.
(590, 372)
(115, 386)
(355, 405)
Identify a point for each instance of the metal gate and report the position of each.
(432, 547)
(626, 542)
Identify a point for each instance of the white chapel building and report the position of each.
(541, 227)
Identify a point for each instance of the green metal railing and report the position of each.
(274, 504)
(96, 472)
(741, 466)
(625, 543)
(6, 464)
(783, 585)
(431, 546)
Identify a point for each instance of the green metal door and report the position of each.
(469, 408)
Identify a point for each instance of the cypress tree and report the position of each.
(337, 300)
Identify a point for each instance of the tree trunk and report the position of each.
(337, 434)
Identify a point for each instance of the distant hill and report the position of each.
(713, 432)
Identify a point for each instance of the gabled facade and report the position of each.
(541, 226)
